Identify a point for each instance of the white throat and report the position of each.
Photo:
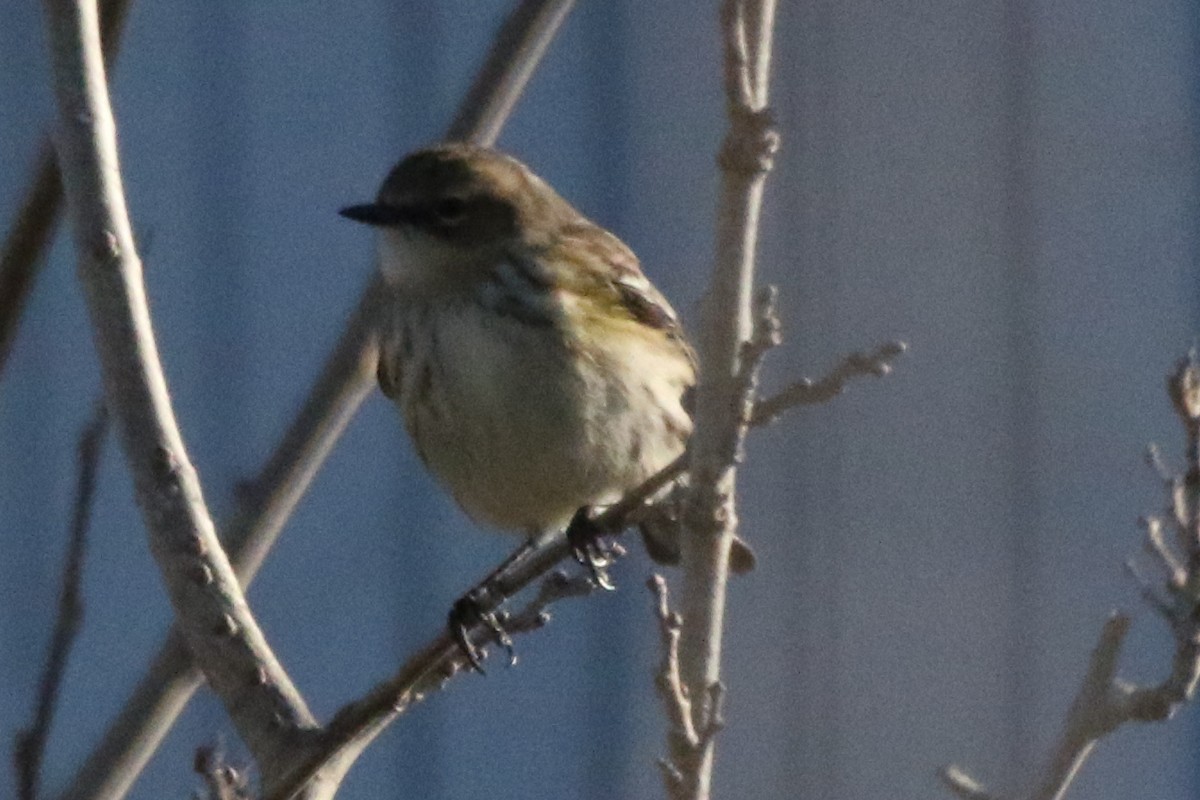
(410, 259)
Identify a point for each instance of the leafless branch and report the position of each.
(357, 723)
(729, 348)
(30, 745)
(516, 51)
(558, 585)
(674, 696)
(806, 392)
(1104, 702)
(25, 246)
(220, 630)
(344, 382)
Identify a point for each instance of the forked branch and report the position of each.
(1104, 702)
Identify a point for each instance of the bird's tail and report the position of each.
(661, 533)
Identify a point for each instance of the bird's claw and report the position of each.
(590, 548)
(468, 612)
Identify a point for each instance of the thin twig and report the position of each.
(877, 363)
(357, 723)
(1165, 557)
(221, 780)
(963, 785)
(674, 696)
(344, 383)
(1103, 702)
(558, 585)
(25, 246)
(30, 745)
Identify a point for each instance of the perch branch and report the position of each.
(357, 723)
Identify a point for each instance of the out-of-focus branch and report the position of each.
(516, 51)
(30, 745)
(346, 379)
(724, 396)
(25, 246)
(1104, 702)
(220, 630)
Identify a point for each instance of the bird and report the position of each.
(537, 370)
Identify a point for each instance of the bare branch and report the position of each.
(733, 340)
(677, 707)
(30, 745)
(221, 632)
(558, 585)
(1165, 556)
(37, 217)
(1103, 702)
(1092, 714)
(877, 363)
(428, 670)
(516, 51)
(344, 383)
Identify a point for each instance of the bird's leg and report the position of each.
(478, 607)
(587, 541)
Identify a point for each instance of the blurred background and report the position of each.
(1010, 187)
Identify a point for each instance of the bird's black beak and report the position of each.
(375, 214)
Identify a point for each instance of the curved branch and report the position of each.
(219, 628)
(345, 381)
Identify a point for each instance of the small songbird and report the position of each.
(537, 369)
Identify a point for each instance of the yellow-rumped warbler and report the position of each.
(537, 369)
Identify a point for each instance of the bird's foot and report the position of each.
(469, 612)
(591, 549)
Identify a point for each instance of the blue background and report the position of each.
(1011, 187)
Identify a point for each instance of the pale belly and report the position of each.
(522, 433)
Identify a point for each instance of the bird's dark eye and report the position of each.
(451, 210)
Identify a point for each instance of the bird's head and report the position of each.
(448, 214)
